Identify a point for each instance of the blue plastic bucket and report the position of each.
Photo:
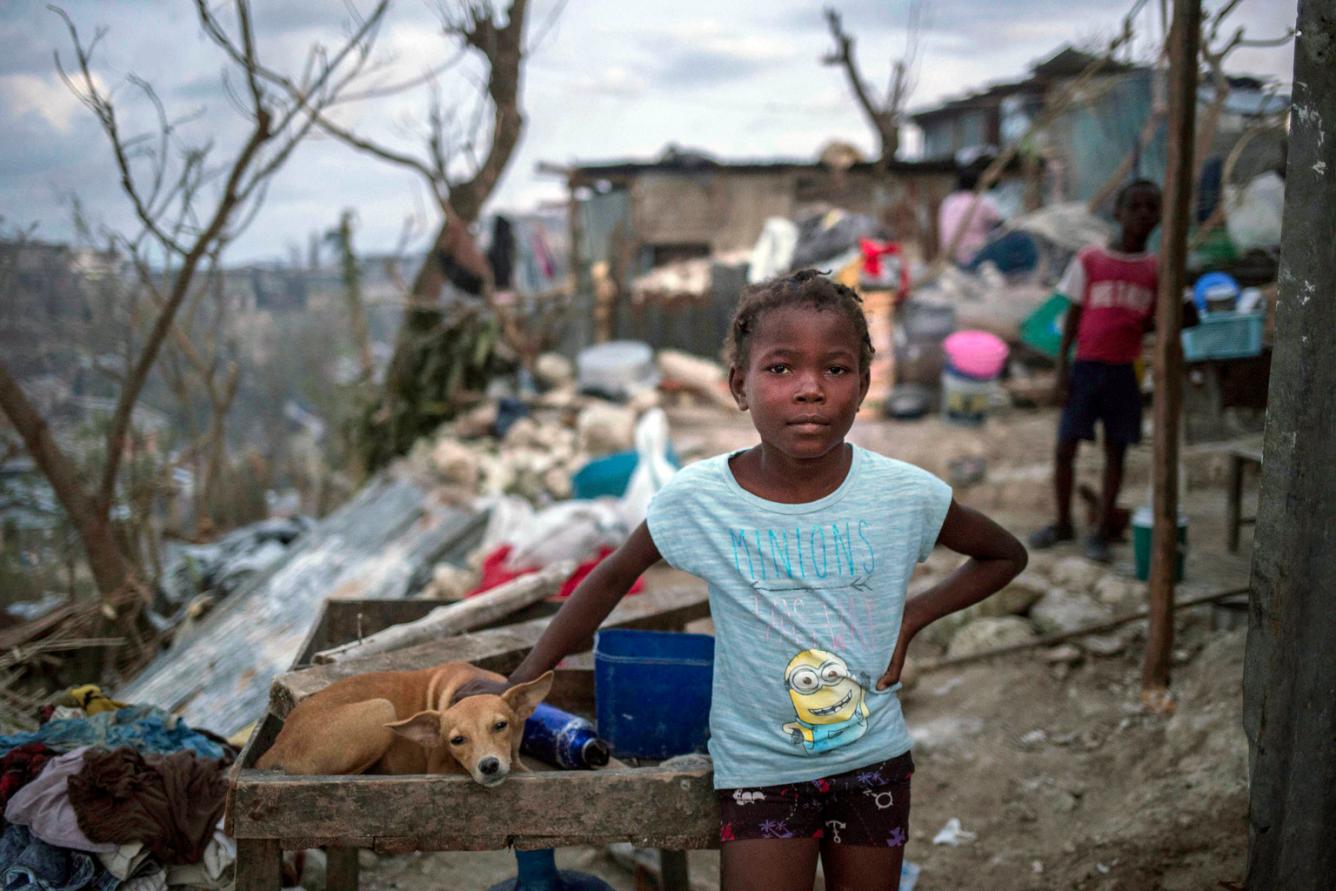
(652, 691)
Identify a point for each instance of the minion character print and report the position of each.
(829, 703)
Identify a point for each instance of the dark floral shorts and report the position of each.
(867, 806)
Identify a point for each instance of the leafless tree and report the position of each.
(341, 236)
(1214, 49)
(188, 204)
(200, 357)
(886, 115)
(461, 165)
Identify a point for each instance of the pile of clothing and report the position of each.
(106, 796)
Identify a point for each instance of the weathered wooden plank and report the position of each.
(382, 544)
(498, 649)
(495, 840)
(649, 803)
(458, 617)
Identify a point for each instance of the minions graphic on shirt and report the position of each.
(829, 703)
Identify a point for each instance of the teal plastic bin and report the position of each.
(1143, 520)
(652, 691)
(1224, 335)
(1042, 329)
(610, 474)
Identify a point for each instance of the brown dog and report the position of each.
(397, 722)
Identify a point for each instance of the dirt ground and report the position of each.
(1061, 777)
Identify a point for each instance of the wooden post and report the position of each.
(342, 869)
(1169, 350)
(259, 865)
(673, 874)
(1289, 710)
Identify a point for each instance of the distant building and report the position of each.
(699, 217)
(1085, 144)
(687, 204)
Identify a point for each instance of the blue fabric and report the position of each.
(1105, 392)
(29, 864)
(806, 601)
(1013, 252)
(141, 727)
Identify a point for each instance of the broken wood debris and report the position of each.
(456, 618)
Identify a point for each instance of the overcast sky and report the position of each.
(609, 79)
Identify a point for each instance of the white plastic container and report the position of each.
(617, 369)
(965, 400)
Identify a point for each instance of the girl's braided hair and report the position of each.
(806, 287)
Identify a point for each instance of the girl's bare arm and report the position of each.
(996, 557)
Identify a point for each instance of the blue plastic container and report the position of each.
(652, 691)
(1214, 286)
(610, 474)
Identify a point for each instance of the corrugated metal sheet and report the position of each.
(381, 544)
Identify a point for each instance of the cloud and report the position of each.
(22, 54)
(46, 96)
(705, 52)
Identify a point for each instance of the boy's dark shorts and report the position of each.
(1105, 392)
(868, 806)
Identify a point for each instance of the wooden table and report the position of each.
(1242, 453)
(663, 806)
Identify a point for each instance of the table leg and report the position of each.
(259, 864)
(1235, 507)
(341, 869)
(673, 871)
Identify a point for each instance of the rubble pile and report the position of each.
(1052, 596)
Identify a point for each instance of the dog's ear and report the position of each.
(424, 728)
(525, 698)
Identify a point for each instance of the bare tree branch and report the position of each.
(186, 238)
(884, 116)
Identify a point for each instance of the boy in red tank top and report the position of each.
(1112, 292)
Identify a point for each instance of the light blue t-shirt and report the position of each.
(806, 601)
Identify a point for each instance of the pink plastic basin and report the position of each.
(976, 354)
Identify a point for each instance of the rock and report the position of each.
(1012, 600)
(476, 422)
(1123, 595)
(1061, 611)
(644, 401)
(455, 463)
(450, 582)
(557, 481)
(522, 433)
(944, 629)
(604, 428)
(1102, 644)
(990, 633)
(497, 475)
(1076, 573)
(553, 370)
(1034, 739)
(1016, 598)
(1062, 654)
(943, 733)
(367, 859)
(564, 397)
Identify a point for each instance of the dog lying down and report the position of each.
(400, 722)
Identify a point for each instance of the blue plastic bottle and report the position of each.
(563, 740)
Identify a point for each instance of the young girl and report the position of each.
(807, 544)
